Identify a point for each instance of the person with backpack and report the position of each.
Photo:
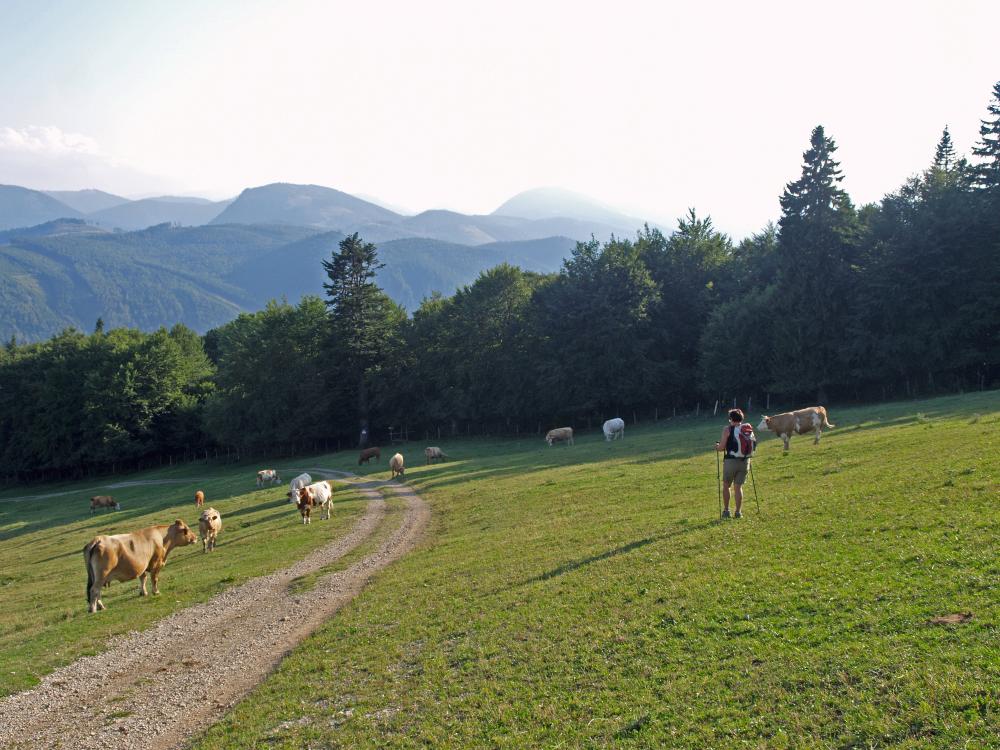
(738, 443)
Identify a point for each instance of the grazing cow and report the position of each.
(614, 429)
(559, 435)
(317, 495)
(122, 557)
(368, 454)
(103, 501)
(199, 498)
(396, 465)
(435, 453)
(798, 422)
(297, 484)
(267, 475)
(209, 526)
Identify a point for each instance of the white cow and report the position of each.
(316, 495)
(614, 429)
(297, 484)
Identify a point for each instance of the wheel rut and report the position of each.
(160, 687)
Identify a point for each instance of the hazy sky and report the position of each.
(648, 106)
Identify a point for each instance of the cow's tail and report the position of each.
(826, 422)
(87, 555)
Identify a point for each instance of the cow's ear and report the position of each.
(179, 522)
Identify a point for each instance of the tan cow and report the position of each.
(435, 453)
(122, 557)
(103, 501)
(559, 435)
(316, 495)
(199, 498)
(812, 419)
(396, 465)
(368, 454)
(209, 527)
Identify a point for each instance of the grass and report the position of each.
(43, 618)
(590, 597)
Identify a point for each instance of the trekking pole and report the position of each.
(754, 482)
(718, 482)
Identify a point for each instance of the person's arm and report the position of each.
(721, 445)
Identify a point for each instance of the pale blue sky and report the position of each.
(648, 106)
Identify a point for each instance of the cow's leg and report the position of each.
(784, 439)
(154, 573)
(142, 584)
(94, 596)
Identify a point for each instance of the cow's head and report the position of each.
(181, 534)
(765, 423)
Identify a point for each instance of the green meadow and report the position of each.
(589, 596)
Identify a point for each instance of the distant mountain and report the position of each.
(152, 211)
(303, 205)
(21, 207)
(53, 228)
(87, 201)
(550, 203)
(69, 274)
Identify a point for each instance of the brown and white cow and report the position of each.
(559, 435)
(812, 419)
(316, 495)
(267, 475)
(435, 454)
(368, 454)
(122, 557)
(396, 465)
(199, 498)
(209, 527)
(103, 501)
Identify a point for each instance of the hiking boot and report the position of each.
(737, 514)
(725, 514)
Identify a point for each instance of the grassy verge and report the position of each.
(43, 618)
(590, 597)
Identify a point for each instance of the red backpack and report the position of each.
(742, 442)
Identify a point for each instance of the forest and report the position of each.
(835, 303)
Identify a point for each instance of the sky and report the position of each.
(650, 107)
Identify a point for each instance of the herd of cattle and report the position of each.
(124, 557)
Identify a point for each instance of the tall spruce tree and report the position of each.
(988, 149)
(944, 154)
(362, 318)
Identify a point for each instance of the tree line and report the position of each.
(835, 302)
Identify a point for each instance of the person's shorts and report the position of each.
(734, 470)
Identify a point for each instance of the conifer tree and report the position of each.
(988, 149)
(944, 154)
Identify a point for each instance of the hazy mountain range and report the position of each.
(69, 257)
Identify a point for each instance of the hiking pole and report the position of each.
(718, 482)
(754, 482)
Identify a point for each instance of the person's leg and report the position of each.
(738, 492)
(725, 496)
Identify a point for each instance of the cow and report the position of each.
(614, 429)
(122, 557)
(267, 475)
(316, 495)
(199, 499)
(368, 454)
(559, 435)
(104, 501)
(799, 422)
(396, 465)
(209, 526)
(435, 453)
(297, 484)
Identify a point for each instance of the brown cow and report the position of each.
(812, 419)
(396, 465)
(209, 526)
(559, 435)
(122, 557)
(368, 454)
(199, 498)
(103, 501)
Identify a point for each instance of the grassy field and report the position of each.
(590, 597)
(43, 617)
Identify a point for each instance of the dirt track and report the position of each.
(157, 688)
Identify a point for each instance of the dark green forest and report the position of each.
(835, 303)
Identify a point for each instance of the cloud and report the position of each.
(45, 157)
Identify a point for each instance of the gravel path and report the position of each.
(157, 688)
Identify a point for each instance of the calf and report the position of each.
(368, 454)
(122, 557)
(209, 526)
(559, 435)
(317, 495)
(435, 454)
(267, 475)
(103, 501)
(812, 419)
(396, 465)
(614, 429)
(297, 484)
(199, 498)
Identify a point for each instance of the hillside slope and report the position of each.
(21, 207)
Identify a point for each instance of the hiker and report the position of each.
(738, 443)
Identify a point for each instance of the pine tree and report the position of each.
(988, 171)
(944, 154)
